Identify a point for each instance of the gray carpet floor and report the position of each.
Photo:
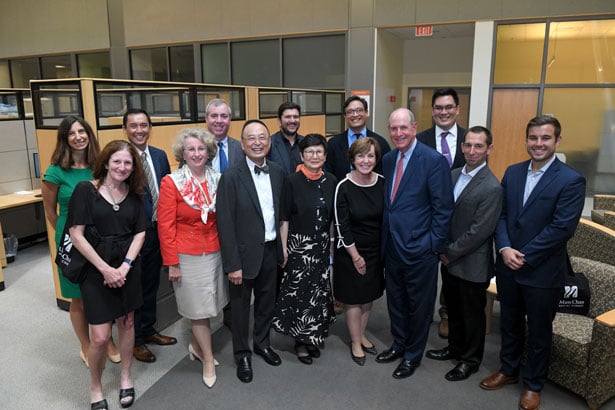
(40, 366)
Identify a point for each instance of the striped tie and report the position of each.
(151, 184)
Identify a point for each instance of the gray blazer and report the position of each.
(477, 210)
(235, 153)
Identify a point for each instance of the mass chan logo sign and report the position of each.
(571, 292)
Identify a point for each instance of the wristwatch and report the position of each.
(128, 261)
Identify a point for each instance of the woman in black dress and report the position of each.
(358, 277)
(304, 308)
(111, 203)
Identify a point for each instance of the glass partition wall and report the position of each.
(564, 68)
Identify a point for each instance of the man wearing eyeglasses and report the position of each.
(218, 120)
(356, 113)
(445, 137)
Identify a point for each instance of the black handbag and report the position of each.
(575, 297)
(71, 263)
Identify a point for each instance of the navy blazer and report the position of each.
(162, 168)
(337, 154)
(239, 217)
(419, 219)
(541, 228)
(428, 137)
(278, 153)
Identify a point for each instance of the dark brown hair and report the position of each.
(62, 154)
(136, 180)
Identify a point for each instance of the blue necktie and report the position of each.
(223, 161)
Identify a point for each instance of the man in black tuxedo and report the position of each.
(356, 113)
(249, 230)
(137, 126)
(445, 137)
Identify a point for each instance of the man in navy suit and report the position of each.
(248, 222)
(356, 114)
(137, 126)
(418, 207)
(285, 143)
(218, 120)
(543, 201)
(446, 137)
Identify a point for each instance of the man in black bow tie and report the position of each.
(248, 226)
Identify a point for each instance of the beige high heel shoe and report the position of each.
(84, 358)
(209, 381)
(193, 355)
(112, 353)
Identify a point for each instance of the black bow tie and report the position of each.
(258, 170)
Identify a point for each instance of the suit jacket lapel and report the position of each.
(544, 182)
(473, 184)
(245, 177)
(409, 171)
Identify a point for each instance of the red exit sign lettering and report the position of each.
(423, 31)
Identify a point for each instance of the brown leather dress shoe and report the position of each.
(443, 329)
(497, 380)
(159, 339)
(530, 400)
(143, 354)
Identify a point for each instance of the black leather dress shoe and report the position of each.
(388, 356)
(460, 372)
(440, 354)
(269, 355)
(405, 369)
(244, 369)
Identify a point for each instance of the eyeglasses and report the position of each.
(355, 111)
(440, 108)
(313, 153)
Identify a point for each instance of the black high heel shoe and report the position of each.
(302, 353)
(360, 360)
(100, 405)
(127, 393)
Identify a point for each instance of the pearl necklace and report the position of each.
(116, 204)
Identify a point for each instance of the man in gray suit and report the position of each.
(248, 222)
(468, 265)
(218, 118)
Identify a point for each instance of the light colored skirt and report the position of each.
(203, 290)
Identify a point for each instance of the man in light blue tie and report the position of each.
(218, 119)
(446, 137)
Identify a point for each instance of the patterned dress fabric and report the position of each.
(304, 309)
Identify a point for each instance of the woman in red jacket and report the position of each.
(189, 241)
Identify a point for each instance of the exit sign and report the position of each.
(423, 31)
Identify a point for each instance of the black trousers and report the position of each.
(151, 263)
(264, 286)
(466, 317)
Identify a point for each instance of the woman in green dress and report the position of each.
(71, 162)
